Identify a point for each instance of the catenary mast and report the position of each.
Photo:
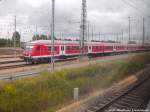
(83, 26)
(53, 33)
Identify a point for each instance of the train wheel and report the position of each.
(34, 62)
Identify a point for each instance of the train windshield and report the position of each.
(29, 48)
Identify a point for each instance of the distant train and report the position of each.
(41, 50)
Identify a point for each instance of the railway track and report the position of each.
(11, 61)
(36, 72)
(1, 57)
(21, 63)
(14, 66)
(133, 98)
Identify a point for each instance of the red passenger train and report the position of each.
(40, 50)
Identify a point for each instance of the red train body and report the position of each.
(41, 50)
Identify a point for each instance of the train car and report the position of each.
(41, 50)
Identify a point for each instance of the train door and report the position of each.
(42, 50)
(90, 49)
(114, 48)
(62, 50)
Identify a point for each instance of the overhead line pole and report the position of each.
(122, 36)
(36, 34)
(99, 36)
(14, 39)
(92, 33)
(83, 25)
(88, 31)
(117, 38)
(129, 29)
(143, 42)
(53, 33)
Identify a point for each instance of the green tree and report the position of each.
(16, 38)
(42, 37)
(35, 37)
(6, 42)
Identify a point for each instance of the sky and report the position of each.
(109, 17)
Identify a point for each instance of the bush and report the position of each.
(49, 91)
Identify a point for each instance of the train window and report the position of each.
(85, 47)
(55, 48)
(49, 48)
(73, 48)
(77, 48)
(28, 48)
(68, 48)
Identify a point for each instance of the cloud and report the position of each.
(104, 15)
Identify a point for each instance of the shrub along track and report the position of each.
(134, 97)
(51, 90)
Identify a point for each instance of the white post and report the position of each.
(76, 94)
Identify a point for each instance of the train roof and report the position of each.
(50, 42)
(57, 42)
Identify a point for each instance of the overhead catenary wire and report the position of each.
(134, 7)
(145, 2)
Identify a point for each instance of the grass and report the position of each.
(50, 91)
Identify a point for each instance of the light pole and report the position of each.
(53, 33)
(14, 39)
(36, 34)
(99, 36)
(129, 29)
(143, 31)
(88, 29)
